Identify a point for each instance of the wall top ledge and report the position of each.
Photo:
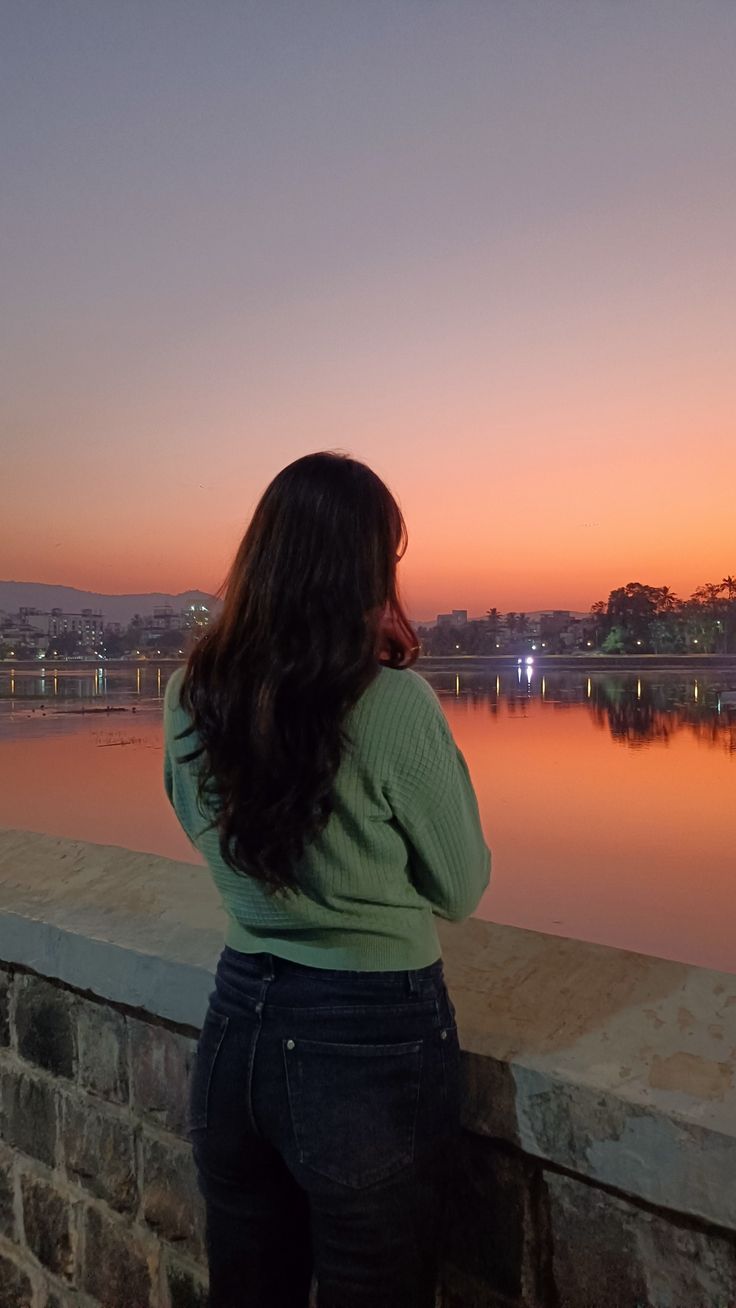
(549, 1025)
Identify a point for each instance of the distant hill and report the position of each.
(120, 608)
(115, 608)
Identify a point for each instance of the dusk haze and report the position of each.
(489, 250)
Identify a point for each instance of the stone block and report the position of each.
(611, 1254)
(458, 1290)
(664, 1158)
(161, 1063)
(490, 1230)
(48, 1227)
(172, 1204)
(5, 981)
(7, 1215)
(488, 1097)
(16, 1290)
(115, 1271)
(187, 1289)
(99, 1152)
(28, 1115)
(102, 1052)
(45, 1025)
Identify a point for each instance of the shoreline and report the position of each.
(451, 662)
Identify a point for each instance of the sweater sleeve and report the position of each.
(434, 803)
(177, 784)
(168, 770)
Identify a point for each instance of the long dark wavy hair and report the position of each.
(311, 610)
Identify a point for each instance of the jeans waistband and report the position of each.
(270, 967)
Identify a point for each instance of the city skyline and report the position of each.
(16, 595)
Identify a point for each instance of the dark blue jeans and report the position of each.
(324, 1108)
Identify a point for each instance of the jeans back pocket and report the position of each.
(354, 1107)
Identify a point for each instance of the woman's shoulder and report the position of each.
(172, 692)
(405, 681)
(403, 690)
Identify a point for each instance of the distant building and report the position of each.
(552, 625)
(31, 617)
(87, 625)
(197, 615)
(164, 618)
(457, 618)
(17, 634)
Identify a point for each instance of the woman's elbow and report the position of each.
(466, 900)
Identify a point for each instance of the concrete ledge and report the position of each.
(133, 928)
(617, 1066)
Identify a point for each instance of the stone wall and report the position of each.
(98, 1203)
(597, 1166)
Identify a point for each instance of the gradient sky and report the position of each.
(486, 247)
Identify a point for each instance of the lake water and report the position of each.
(606, 797)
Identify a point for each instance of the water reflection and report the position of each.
(637, 710)
(606, 796)
(62, 684)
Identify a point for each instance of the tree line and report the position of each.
(653, 619)
(635, 619)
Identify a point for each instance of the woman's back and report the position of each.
(403, 842)
(317, 774)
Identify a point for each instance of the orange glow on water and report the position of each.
(599, 841)
(599, 829)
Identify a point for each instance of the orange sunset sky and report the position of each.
(487, 248)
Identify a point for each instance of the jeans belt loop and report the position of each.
(413, 983)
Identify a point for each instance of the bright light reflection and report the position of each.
(457, 684)
(638, 689)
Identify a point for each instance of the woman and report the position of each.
(316, 773)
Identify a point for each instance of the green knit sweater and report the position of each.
(404, 842)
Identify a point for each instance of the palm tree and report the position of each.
(494, 621)
(729, 585)
(523, 625)
(599, 614)
(709, 593)
(666, 599)
(511, 622)
(708, 598)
